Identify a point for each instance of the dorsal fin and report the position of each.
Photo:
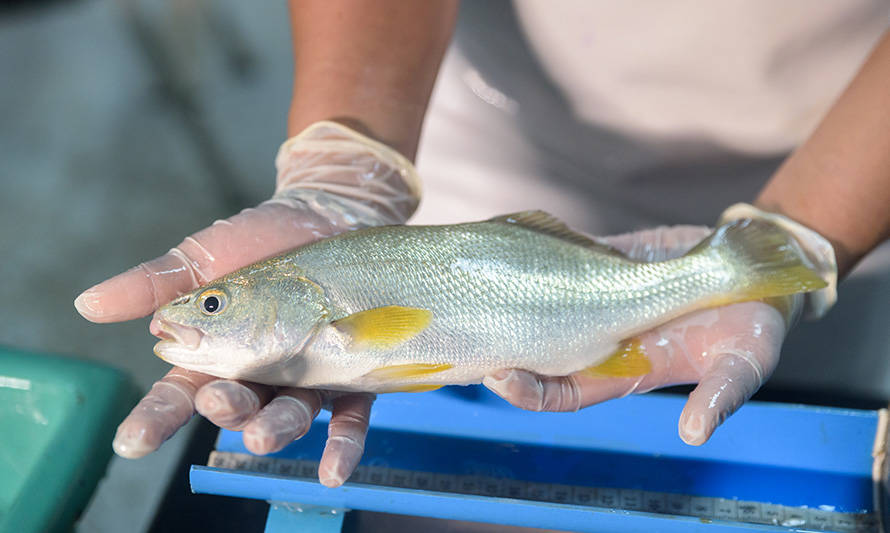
(545, 223)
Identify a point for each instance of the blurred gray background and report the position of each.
(125, 125)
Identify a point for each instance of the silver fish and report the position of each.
(416, 307)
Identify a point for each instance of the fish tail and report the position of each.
(765, 260)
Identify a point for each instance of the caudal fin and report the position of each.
(765, 261)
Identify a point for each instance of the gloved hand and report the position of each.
(729, 351)
(330, 180)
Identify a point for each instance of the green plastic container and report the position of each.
(57, 418)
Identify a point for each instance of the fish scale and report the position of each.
(516, 305)
(520, 291)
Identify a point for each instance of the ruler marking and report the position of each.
(584, 496)
(562, 493)
(611, 498)
(607, 498)
(819, 518)
(630, 499)
(424, 481)
(678, 504)
(726, 509)
(654, 502)
(515, 489)
(749, 512)
(702, 507)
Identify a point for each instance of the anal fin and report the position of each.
(424, 387)
(398, 373)
(409, 371)
(629, 360)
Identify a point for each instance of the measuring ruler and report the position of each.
(703, 507)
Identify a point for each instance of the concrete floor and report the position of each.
(127, 125)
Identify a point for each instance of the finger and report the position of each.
(223, 247)
(286, 418)
(346, 438)
(167, 407)
(728, 384)
(230, 404)
(558, 393)
(535, 393)
(736, 365)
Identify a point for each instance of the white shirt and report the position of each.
(752, 76)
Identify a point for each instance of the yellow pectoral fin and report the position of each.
(384, 327)
(404, 372)
(629, 360)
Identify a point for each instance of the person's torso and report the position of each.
(752, 76)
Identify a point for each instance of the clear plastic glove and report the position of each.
(330, 180)
(729, 351)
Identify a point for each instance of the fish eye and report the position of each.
(212, 301)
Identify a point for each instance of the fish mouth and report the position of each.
(186, 336)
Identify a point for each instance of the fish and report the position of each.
(413, 308)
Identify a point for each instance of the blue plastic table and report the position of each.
(463, 453)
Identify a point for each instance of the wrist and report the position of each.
(368, 64)
(394, 124)
(346, 177)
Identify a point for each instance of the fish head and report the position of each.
(240, 325)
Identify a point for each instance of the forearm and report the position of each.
(838, 181)
(369, 64)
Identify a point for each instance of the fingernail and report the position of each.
(129, 447)
(492, 384)
(330, 478)
(87, 304)
(500, 375)
(693, 431)
(209, 407)
(340, 457)
(331, 482)
(227, 403)
(257, 442)
(497, 382)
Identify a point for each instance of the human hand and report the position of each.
(728, 351)
(330, 179)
